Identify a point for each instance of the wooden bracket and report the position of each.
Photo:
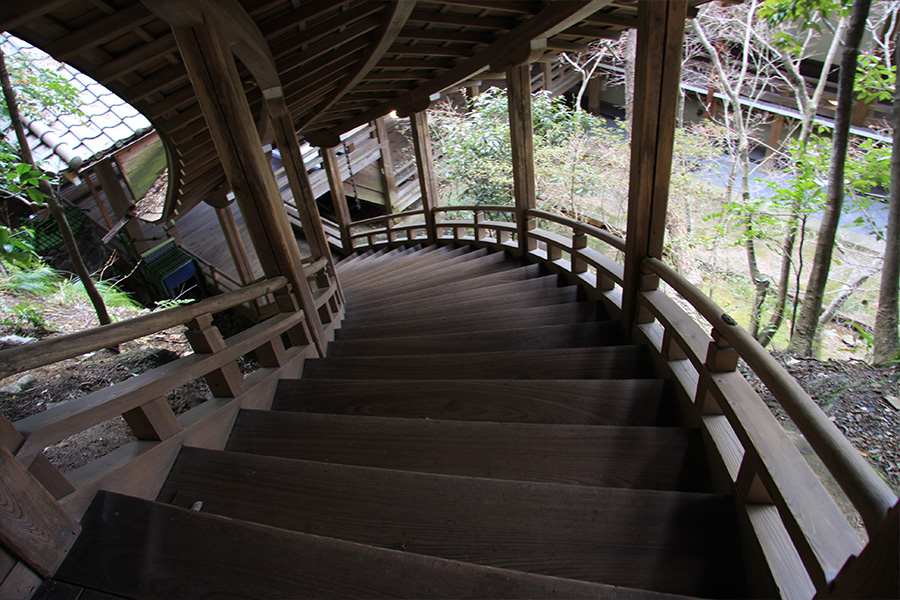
(721, 357)
(204, 337)
(153, 420)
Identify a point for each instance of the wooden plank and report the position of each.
(33, 526)
(112, 188)
(387, 166)
(235, 244)
(567, 363)
(548, 337)
(657, 84)
(659, 540)
(100, 31)
(182, 557)
(21, 582)
(338, 198)
(589, 402)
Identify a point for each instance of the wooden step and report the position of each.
(628, 457)
(490, 317)
(540, 291)
(367, 273)
(508, 273)
(148, 550)
(572, 402)
(612, 362)
(372, 260)
(390, 288)
(673, 541)
(578, 335)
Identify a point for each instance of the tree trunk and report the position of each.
(805, 330)
(55, 209)
(887, 337)
(630, 57)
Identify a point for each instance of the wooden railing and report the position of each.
(802, 534)
(280, 344)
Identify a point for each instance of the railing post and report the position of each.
(579, 243)
(425, 166)
(205, 338)
(480, 232)
(34, 527)
(153, 420)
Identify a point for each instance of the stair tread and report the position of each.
(672, 540)
(396, 265)
(578, 401)
(141, 549)
(489, 317)
(472, 278)
(610, 362)
(577, 335)
(579, 454)
(541, 291)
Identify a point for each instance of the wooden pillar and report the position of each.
(547, 71)
(213, 74)
(425, 166)
(338, 196)
(518, 83)
(235, 244)
(112, 187)
(298, 178)
(595, 89)
(657, 80)
(387, 166)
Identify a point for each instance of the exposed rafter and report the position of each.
(394, 19)
(550, 21)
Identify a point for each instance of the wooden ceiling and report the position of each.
(341, 64)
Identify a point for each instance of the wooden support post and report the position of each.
(579, 243)
(425, 166)
(112, 187)
(547, 71)
(387, 166)
(657, 82)
(90, 183)
(33, 525)
(153, 420)
(338, 197)
(595, 88)
(50, 477)
(204, 337)
(518, 82)
(235, 244)
(219, 90)
(720, 356)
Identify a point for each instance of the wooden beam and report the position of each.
(518, 82)
(235, 244)
(657, 83)
(298, 179)
(425, 166)
(395, 16)
(553, 19)
(214, 76)
(13, 14)
(33, 526)
(121, 205)
(387, 166)
(338, 197)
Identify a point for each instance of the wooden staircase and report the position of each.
(478, 429)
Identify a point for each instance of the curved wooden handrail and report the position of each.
(871, 496)
(44, 352)
(579, 227)
(477, 208)
(381, 218)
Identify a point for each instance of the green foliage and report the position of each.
(72, 291)
(17, 247)
(874, 79)
(808, 14)
(25, 316)
(38, 281)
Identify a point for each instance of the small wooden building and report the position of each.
(460, 408)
